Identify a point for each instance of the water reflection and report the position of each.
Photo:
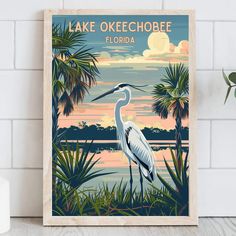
(111, 158)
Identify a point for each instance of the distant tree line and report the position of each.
(97, 132)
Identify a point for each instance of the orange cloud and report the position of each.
(183, 47)
(160, 50)
(159, 44)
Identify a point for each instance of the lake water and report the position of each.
(112, 159)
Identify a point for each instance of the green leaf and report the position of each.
(226, 78)
(75, 167)
(123, 213)
(172, 191)
(235, 92)
(232, 77)
(227, 94)
(133, 212)
(175, 162)
(173, 176)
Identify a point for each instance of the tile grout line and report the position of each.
(17, 69)
(217, 168)
(216, 119)
(10, 20)
(230, 21)
(22, 168)
(216, 70)
(12, 119)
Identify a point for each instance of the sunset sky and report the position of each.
(140, 63)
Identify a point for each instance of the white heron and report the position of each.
(133, 143)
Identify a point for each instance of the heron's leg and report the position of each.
(141, 183)
(131, 183)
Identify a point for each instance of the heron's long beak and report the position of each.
(105, 94)
(138, 87)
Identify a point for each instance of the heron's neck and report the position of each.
(121, 103)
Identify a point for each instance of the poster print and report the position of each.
(119, 118)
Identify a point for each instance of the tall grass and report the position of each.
(177, 196)
(74, 168)
(114, 201)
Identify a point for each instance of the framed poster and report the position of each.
(119, 118)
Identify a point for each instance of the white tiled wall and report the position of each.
(21, 27)
(29, 45)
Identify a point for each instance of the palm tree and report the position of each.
(74, 71)
(171, 98)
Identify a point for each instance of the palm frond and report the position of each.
(63, 39)
(170, 97)
(75, 168)
(180, 180)
(85, 61)
(67, 103)
(74, 68)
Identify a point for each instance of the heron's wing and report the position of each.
(140, 148)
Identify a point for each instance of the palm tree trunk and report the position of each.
(55, 115)
(178, 138)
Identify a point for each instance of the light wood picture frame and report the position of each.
(92, 68)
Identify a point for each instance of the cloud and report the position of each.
(183, 47)
(104, 55)
(118, 48)
(159, 44)
(160, 51)
(105, 83)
